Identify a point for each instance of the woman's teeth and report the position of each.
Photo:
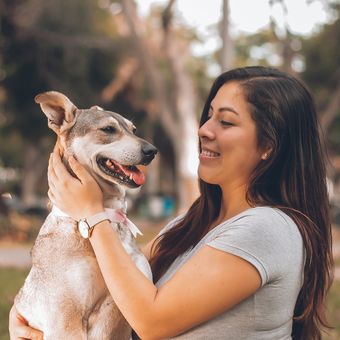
(209, 153)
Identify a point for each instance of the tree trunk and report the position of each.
(284, 42)
(227, 52)
(33, 170)
(181, 126)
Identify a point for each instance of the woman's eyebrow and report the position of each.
(225, 108)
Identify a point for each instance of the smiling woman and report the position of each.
(263, 199)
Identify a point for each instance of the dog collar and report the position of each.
(116, 216)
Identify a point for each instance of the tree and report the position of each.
(322, 70)
(48, 44)
(178, 118)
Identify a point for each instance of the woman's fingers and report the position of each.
(51, 197)
(26, 332)
(51, 175)
(59, 168)
(79, 170)
(19, 329)
(77, 196)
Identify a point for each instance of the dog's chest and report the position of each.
(59, 243)
(65, 276)
(64, 261)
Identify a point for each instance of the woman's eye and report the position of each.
(109, 129)
(225, 123)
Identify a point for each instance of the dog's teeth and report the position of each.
(130, 177)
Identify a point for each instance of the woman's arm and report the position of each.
(208, 284)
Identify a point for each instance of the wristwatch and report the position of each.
(86, 225)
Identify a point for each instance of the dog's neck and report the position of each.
(118, 203)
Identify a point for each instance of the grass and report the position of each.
(333, 311)
(10, 282)
(12, 279)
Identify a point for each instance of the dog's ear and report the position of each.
(59, 110)
(96, 107)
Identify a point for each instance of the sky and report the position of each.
(247, 16)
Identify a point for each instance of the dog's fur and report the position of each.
(64, 294)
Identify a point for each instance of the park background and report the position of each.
(153, 62)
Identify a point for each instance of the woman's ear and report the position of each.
(266, 153)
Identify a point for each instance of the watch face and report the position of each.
(83, 229)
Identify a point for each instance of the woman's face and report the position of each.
(228, 139)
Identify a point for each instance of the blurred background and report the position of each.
(153, 62)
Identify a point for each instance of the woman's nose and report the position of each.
(206, 130)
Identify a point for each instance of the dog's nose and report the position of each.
(149, 152)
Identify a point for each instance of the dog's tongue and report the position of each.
(136, 175)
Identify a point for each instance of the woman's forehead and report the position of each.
(230, 97)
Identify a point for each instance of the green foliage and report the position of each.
(10, 282)
(322, 54)
(333, 311)
(255, 49)
(57, 47)
(322, 72)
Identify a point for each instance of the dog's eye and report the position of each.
(109, 129)
(134, 130)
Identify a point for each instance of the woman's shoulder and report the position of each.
(261, 236)
(259, 222)
(261, 214)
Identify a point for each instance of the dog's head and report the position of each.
(102, 141)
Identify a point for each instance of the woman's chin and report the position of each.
(206, 177)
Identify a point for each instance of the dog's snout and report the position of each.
(149, 152)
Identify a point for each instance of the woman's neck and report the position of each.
(233, 202)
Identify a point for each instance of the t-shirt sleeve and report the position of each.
(262, 240)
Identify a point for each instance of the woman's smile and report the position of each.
(208, 155)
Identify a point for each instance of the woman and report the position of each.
(251, 259)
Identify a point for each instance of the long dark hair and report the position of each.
(293, 178)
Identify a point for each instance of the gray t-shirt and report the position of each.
(270, 240)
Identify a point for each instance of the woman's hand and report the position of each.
(77, 197)
(19, 329)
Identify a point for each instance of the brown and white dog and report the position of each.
(64, 294)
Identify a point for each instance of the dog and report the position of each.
(64, 294)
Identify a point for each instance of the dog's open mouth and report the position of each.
(129, 175)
